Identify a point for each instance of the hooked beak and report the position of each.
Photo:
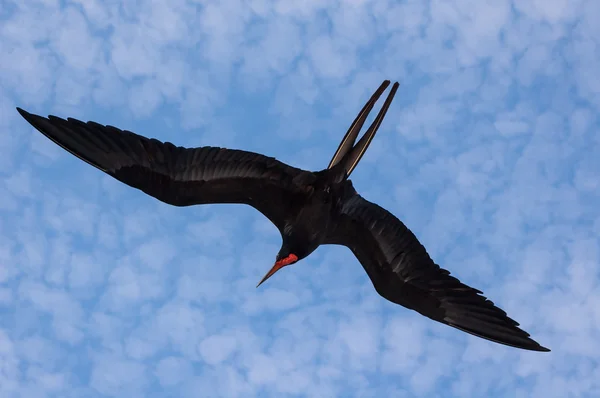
(292, 258)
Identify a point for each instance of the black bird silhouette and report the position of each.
(309, 209)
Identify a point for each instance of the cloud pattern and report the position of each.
(489, 154)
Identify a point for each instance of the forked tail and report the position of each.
(348, 155)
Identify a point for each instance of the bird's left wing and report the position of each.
(402, 272)
(176, 175)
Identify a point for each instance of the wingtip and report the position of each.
(26, 115)
(534, 346)
(524, 342)
(544, 349)
(537, 348)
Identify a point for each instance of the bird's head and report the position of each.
(286, 256)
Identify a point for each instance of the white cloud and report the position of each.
(113, 375)
(173, 370)
(217, 348)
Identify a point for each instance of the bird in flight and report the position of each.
(310, 208)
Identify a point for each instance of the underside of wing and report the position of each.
(402, 272)
(176, 175)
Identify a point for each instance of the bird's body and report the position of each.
(309, 209)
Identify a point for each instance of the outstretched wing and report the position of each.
(176, 175)
(402, 272)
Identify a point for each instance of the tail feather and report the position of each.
(348, 155)
(348, 141)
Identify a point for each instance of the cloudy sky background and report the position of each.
(490, 154)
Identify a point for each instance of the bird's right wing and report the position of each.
(180, 176)
(402, 272)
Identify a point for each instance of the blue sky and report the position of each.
(490, 154)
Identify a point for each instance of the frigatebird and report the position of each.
(309, 209)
